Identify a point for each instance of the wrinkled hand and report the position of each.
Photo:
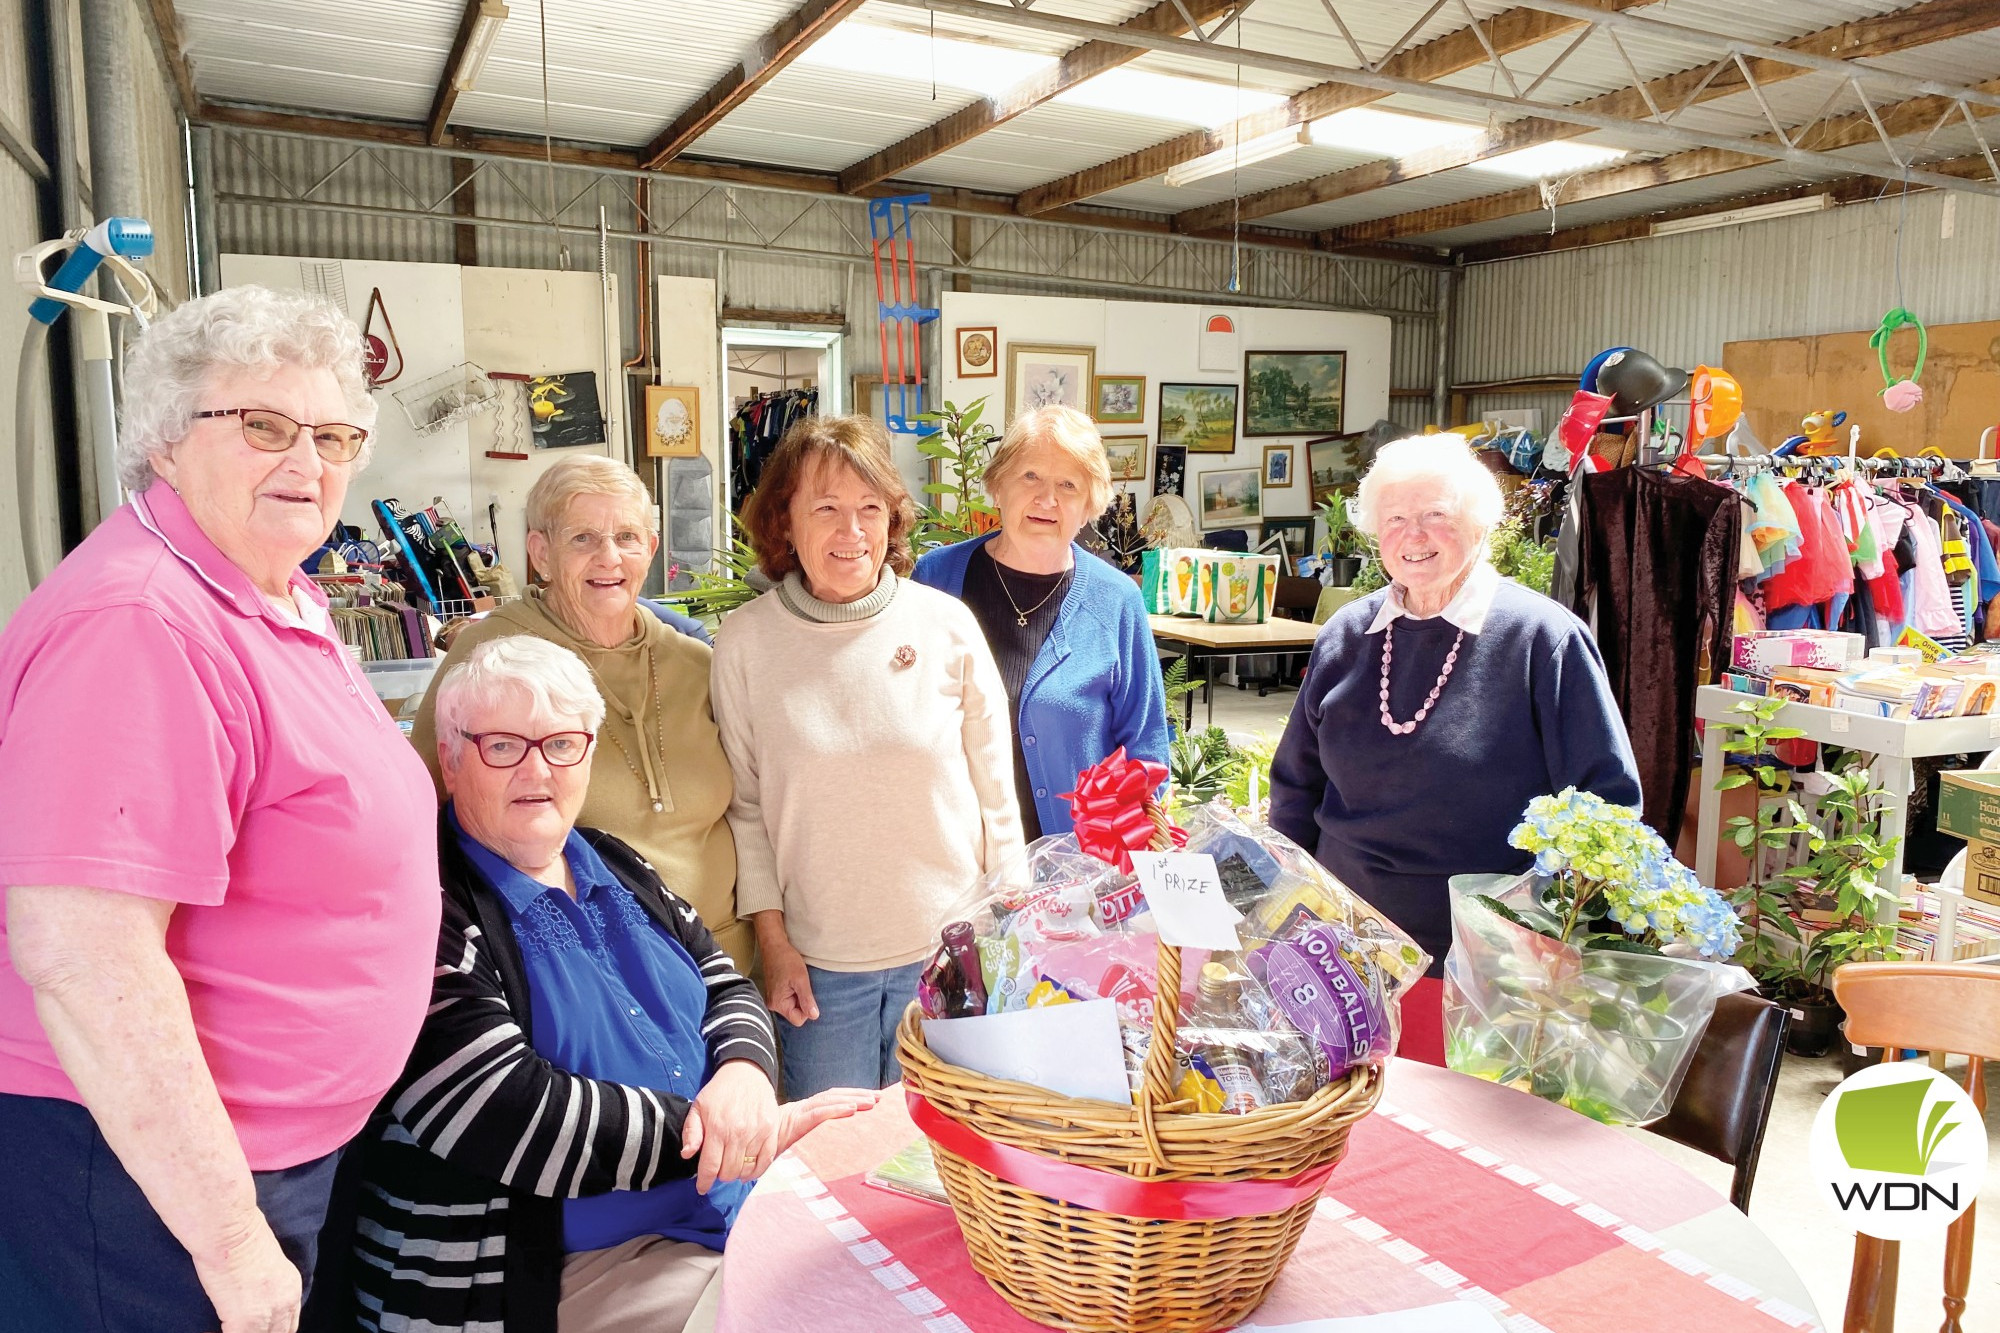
(733, 1124)
(787, 987)
(253, 1286)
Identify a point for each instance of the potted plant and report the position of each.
(1792, 964)
(1345, 547)
(960, 446)
(1590, 979)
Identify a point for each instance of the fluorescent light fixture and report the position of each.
(1137, 92)
(1783, 208)
(1387, 133)
(485, 27)
(1560, 158)
(1261, 149)
(914, 57)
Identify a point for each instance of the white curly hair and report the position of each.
(170, 366)
(1476, 499)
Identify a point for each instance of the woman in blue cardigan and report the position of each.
(1068, 631)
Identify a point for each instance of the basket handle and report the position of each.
(1157, 1089)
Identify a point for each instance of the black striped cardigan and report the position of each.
(454, 1194)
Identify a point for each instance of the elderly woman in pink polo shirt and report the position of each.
(221, 874)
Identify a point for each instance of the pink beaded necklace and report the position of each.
(1388, 650)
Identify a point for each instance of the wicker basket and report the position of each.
(1076, 1267)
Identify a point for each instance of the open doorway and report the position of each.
(772, 378)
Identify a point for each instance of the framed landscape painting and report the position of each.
(1041, 375)
(1127, 456)
(1200, 418)
(1335, 464)
(1230, 497)
(1294, 393)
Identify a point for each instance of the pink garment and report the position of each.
(1932, 607)
(163, 732)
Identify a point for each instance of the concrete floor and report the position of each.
(1785, 1203)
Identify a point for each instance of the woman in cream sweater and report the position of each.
(866, 726)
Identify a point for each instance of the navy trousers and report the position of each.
(81, 1251)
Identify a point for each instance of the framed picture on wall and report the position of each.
(1298, 535)
(978, 353)
(1169, 470)
(1231, 497)
(1118, 399)
(673, 421)
(1277, 465)
(1293, 393)
(1127, 455)
(1335, 464)
(1200, 418)
(1046, 375)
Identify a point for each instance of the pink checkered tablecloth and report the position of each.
(1455, 1188)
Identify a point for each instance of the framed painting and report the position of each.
(564, 411)
(1169, 470)
(1335, 464)
(1127, 456)
(1293, 393)
(1046, 375)
(673, 421)
(1278, 463)
(978, 353)
(1118, 400)
(1297, 534)
(1200, 418)
(1231, 497)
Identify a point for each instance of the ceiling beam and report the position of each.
(1169, 18)
(512, 148)
(446, 96)
(167, 32)
(1456, 51)
(1852, 190)
(1881, 34)
(1915, 116)
(775, 50)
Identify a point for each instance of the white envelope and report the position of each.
(1070, 1048)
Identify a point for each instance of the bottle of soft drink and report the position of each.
(959, 945)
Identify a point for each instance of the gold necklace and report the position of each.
(1020, 616)
(638, 729)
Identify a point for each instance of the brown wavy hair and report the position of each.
(859, 444)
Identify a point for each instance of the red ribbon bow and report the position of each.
(1109, 808)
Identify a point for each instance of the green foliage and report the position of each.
(1342, 537)
(1521, 558)
(718, 591)
(1371, 577)
(962, 446)
(1174, 680)
(1198, 774)
(1253, 756)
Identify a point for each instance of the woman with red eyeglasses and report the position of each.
(220, 869)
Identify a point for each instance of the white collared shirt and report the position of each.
(1467, 609)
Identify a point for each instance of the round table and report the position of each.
(1455, 1189)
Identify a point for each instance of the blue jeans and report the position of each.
(852, 1044)
(82, 1250)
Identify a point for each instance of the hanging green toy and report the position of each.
(1904, 394)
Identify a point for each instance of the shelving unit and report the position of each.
(1895, 742)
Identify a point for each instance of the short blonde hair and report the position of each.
(554, 681)
(1475, 494)
(586, 474)
(1068, 430)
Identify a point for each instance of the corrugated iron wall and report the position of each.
(767, 250)
(1682, 297)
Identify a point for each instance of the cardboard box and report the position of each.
(1969, 805)
(1982, 872)
(1764, 651)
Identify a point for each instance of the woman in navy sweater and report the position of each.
(1068, 631)
(1434, 710)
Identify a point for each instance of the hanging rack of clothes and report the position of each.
(755, 428)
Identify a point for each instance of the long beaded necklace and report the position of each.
(1388, 650)
(639, 729)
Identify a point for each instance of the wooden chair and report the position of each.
(1725, 1100)
(1951, 1008)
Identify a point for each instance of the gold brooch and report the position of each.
(906, 656)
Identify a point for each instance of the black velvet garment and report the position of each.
(1655, 577)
